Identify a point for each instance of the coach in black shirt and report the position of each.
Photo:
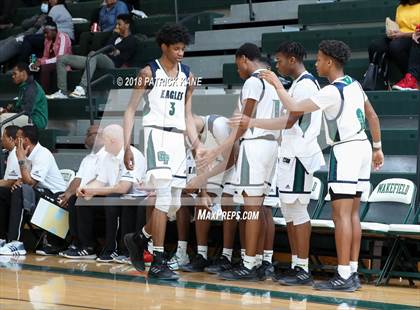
(122, 55)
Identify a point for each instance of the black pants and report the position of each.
(32, 44)
(12, 213)
(72, 209)
(403, 52)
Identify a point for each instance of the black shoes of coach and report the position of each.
(136, 243)
(301, 277)
(219, 265)
(197, 264)
(337, 283)
(240, 273)
(160, 269)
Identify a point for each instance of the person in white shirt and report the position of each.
(113, 179)
(87, 172)
(11, 174)
(345, 109)
(40, 172)
(299, 157)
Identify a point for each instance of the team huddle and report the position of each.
(264, 156)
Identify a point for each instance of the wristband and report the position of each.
(377, 145)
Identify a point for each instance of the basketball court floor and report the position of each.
(38, 282)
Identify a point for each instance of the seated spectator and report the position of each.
(411, 81)
(34, 44)
(124, 51)
(10, 47)
(88, 171)
(113, 179)
(31, 99)
(102, 25)
(398, 44)
(7, 10)
(40, 175)
(56, 44)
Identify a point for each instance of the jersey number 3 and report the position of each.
(172, 110)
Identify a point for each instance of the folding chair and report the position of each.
(391, 212)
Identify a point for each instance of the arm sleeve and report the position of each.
(29, 98)
(64, 44)
(127, 50)
(40, 167)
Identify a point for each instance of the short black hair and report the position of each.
(409, 2)
(171, 34)
(50, 23)
(250, 51)
(126, 18)
(11, 131)
(292, 49)
(30, 132)
(338, 50)
(23, 66)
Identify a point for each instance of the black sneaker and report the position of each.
(337, 283)
(80, 253)
(301, 277)
(160, 270)
(278, 275)
(220, 264)
(135, 246)
(265, 271)
(71, 247)
(356, 280)
(240, 273)
(198, 264)
(107, 256)
(48, 250)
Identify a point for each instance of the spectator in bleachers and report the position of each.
(113, 180)
(103, 22)
(397, 45)
(56, 44)
(87, 172)
(7, 10)
(31, 99)
(39, 176)
(10, 47)
(34, 44)
(10, 175)
(125, 45)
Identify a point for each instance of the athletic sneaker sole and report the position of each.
(172, 278)
(17, 253)
(87, 257)
(309, 283)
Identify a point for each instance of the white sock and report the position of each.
(150, 246)
(227, 253)
(294, 260)
(258, 260)
(249, 261)
(145, 233)
(303, 263)
(243, 253)
(202, 250)
(182, 248)
(344, 271)
(268, 256)
(354, 266)
(159, 249)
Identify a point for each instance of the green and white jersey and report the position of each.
(343, 106)
(267, 106)
(301, 140)
(165, 101)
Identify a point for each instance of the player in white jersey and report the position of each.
(257, 153)
(165, 87)
(345, 107)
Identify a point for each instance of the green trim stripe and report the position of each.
(332, 172)
(150, 152)
(299, 181)
(245, 178)
(222, 288)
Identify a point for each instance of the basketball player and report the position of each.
(345, 107)
(299, 157)
(166, 115)
(257, 153)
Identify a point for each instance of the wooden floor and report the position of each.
(55, 283)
